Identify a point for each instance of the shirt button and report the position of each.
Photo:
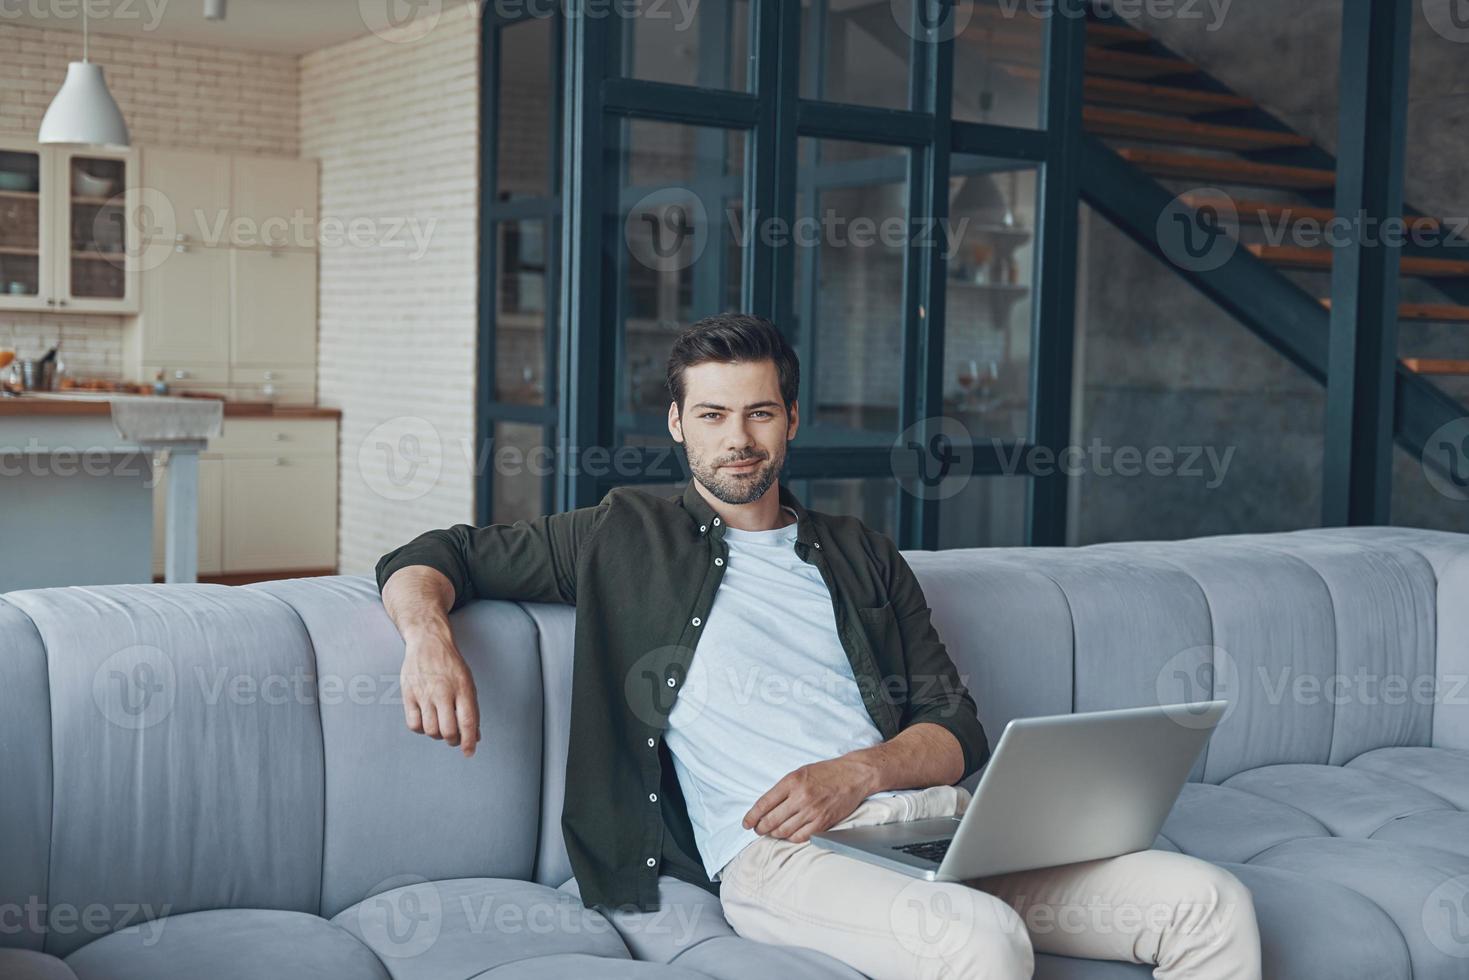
(696, 620)
(671, 682)
(818, 544)
(652, 797)
(719, 561)
(716, 522)
(651, 862)
(703, 528)
(651, 743)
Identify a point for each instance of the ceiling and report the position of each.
(277, 26)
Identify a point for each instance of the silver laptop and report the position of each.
(1058, 789)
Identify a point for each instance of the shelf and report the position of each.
(1002, 288)
(22, 195)
(111, 201)
(1018, 234)
(17, 250)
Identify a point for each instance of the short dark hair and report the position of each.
(733, 338)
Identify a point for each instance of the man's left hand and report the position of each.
(811, 799)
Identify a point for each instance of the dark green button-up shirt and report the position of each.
(642, 571)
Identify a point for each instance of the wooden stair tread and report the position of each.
(1108, 34)
(1097, 32)
(1170, 99)
(1163, 163)
(1258, 212)
(1170, 129)
(1125, 64)
(1297, 257)
(1425, 312)
(1436, 365)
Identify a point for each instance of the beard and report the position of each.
(741, 488)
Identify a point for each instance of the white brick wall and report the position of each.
(396, 127)
(171, 94)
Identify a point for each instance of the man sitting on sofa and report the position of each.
(821, 697)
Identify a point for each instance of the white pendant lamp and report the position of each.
(84, 111)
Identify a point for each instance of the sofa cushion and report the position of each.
(1315, 929)
(1309, 930)
(1222, 823)
(566, 966)
(1442, 772)
(1049, 967)
(1422, 889)
(736, 958)
(398, 802)
(28, 964)
(1445, 829)
(186, 753)
(687, 916)
(228, 944)
(461, 928)
(689, 930)
(1349, 802)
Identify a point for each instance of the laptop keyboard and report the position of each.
(932, 850)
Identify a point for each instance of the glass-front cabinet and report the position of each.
(68, 241)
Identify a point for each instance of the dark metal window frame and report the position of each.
(492, 213)
(595, 100)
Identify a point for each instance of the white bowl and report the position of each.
(84, 184)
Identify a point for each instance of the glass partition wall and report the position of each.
(890, 181)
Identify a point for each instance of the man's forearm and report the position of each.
(417, 599)
(919, 756)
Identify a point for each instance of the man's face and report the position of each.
(734, 427)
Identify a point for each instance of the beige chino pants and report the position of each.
(1189, 919)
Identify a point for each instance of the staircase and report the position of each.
(1159, 128)
(1170, 129)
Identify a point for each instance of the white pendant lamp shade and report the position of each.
(84, 111)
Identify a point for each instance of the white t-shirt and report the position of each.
(768, 691)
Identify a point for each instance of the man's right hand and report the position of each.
(439, 698)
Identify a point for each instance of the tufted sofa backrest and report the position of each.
(165, 749)
(1327, 642)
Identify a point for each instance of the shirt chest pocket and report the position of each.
(880, 623)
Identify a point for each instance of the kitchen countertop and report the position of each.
(96, 403)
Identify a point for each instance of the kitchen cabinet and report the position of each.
(273, 204)
(230, 274)
(268, 497)
(186, 196)
(186, 300)
(280, 512)
(68, 230)
(274, 302)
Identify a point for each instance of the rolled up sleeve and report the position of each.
(530, 560)
(935, 692)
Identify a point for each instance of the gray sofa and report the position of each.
(202, 781)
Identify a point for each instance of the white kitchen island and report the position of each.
(76, 486)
